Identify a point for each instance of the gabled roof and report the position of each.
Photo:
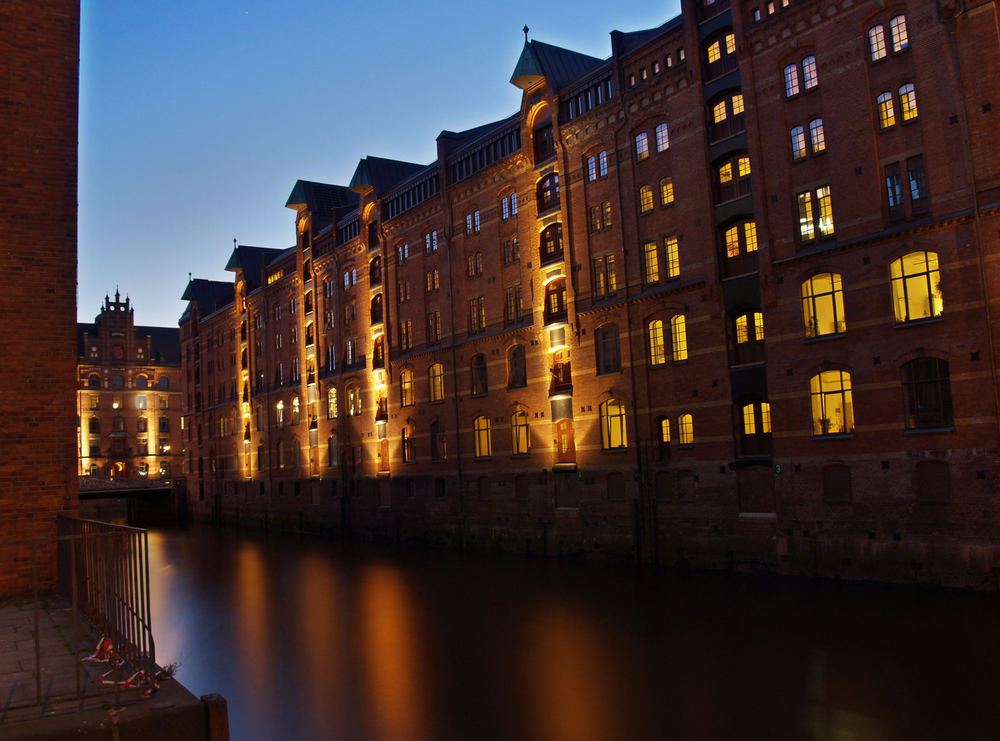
(634, 39)
(557, 65)
(251, 260)
(381, 174)
(320, 197)
(458, 140)
(165, 341)
(210, 295)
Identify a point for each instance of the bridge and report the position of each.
(136, 501)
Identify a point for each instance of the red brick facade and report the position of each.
(741, 314)
(39, 46)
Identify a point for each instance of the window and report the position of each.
(798, 143)
(93, 381)
(810, 76)
(140, 381)
(513, 306)
(900, 38)
(433, 280)
(651, 262)
(816, 136)
(918, 184)
(748, 331)
(605, 282)
(823, 305)
(331, 451)
(479, 377)
(916, 287)
(163, 383)
(544, 142)
(431, 241)
(331, 403)
(434, 326)
(481, 435)
(754, 426)
(295, 411)
(641, 146)
(927, 394)
(555, 300)
(511, 251)
(672, 260)
(406, 388)
(662, 438)
(435, 382)
(832, 405)
(94, 426)
(406, 335)
(894, 190)
(519, 437)
(438, 449)
(142, 425)
(504, 208)
(613, 433)
(886, 110)
(654, 334)
(602, 164)
(474, 265)
(796, 83)
(727, 117)
(551, 243)
(685, 429)
(402, 253)
(815, 213)
(791, 80)
(876, 42)
(477, 314)
(609, 358)
(908, 101)
(678, 332)
(595, 219)
(591, 168)
(547, 192)
(117, 382)
(732, 179)
(666, 192)
(140, 401)
(662, 138)
(354, 401)
(513, 204)
(645, 199)
(164, 426)
(516, 367)
(407, 445)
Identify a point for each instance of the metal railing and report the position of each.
(103, 572)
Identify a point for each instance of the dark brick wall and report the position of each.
(39, 46)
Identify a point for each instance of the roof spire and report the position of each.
(234, 243)
(525, 29)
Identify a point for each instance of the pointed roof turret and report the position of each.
(553, 63)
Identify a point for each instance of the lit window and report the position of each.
(331, 403)
(673, 260)
(816, 135)
(605, 281)
(651, 262)
(140, 401)
(657, 352)
(815, 213)
(435, 380)
(520, 439)
(295, 410)
(678, 332)
(886, 111)
(832, 404)
(685, 429)
(354, 401)
(756, 418)
(798, 143)
(908, 101)
(645, 199)
(481, 432)
(791, 80)
(662, 138)
(641, 146)
(666, 191)
(279, 414)
(613, 434)
(406, 388)
(749, 327)
(823, 305)
(810, 76)
(916, 287)
(741, 239)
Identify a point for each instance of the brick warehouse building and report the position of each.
(39, 49)
(725, 298)
(129, 397)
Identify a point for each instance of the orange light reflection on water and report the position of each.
(253, 631)
(319, 631)
(389, 653)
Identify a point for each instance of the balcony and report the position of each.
(562, 379)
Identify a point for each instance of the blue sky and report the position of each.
(197, 118)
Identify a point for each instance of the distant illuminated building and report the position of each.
(129, 398)
(721, 304)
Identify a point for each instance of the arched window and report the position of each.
(406, 388)
(662, 137)
(657, 351)
(550, 243)
(645, 199)
(720, 56)
(823, 305)
(331, 403)
(520, 439)
(435, 382)
(438, 450)
(547, 192)
(555, 301)
(613, 434)
(376, 309)
(685, 429)
(754, 427)
(117, 382)
(678, 336)
(927, 394)
(727, 116)
(374, 271)
(748, 336)
(609, 358)
(732, 179)
(916, 287)
(480, 386)
(543, 139)
(482, 438)
(378, 352)
(94, 381)
(517, 376)
(140, 382)
(832, 403)
(739, 242)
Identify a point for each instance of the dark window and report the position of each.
(438, 449)
(544, 142)
(547, 192)
(479, 378)
(927, 394)
(551, 247)
(608, 351)
(516, 367)
(894, 190)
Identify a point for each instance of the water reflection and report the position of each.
(309, 639)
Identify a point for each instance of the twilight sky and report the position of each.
(197, 117)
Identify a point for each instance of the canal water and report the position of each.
(312, 639)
